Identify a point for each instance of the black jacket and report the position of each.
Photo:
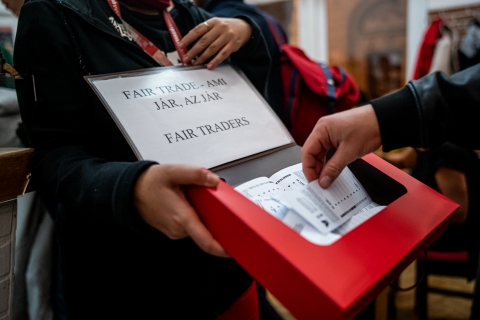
(432, 110)
(114, 264)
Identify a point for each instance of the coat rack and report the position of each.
(458, 19)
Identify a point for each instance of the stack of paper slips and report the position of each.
(322, 216)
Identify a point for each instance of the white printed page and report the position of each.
(306, 230)
(268, 196)
(290, 178)
(263, 192)
(362, 216)
(273, 194)
(260, 187)
(272, 206)
(326, 209)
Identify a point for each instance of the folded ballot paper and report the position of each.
(322, 216)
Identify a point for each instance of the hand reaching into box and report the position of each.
(354, 133)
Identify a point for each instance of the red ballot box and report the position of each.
(338, 280)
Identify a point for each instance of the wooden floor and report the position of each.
(440, 307)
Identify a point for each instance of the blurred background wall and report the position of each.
(377, 41)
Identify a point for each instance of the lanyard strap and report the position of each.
(147, 46)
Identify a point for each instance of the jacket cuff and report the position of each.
(252, 43)
(123, 202)
(398, 118)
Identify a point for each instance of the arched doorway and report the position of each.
(376, 46)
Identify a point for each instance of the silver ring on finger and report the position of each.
(206, 24)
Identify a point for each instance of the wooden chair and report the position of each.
(442, 263)
(14, 178)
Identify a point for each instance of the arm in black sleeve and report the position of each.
(253, 58)
(432, 110)
(67, 167)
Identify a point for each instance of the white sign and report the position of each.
(191, 115)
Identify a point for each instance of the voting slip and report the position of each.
(190, 115)
(321, 216)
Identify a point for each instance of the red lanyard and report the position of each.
(146, 44)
